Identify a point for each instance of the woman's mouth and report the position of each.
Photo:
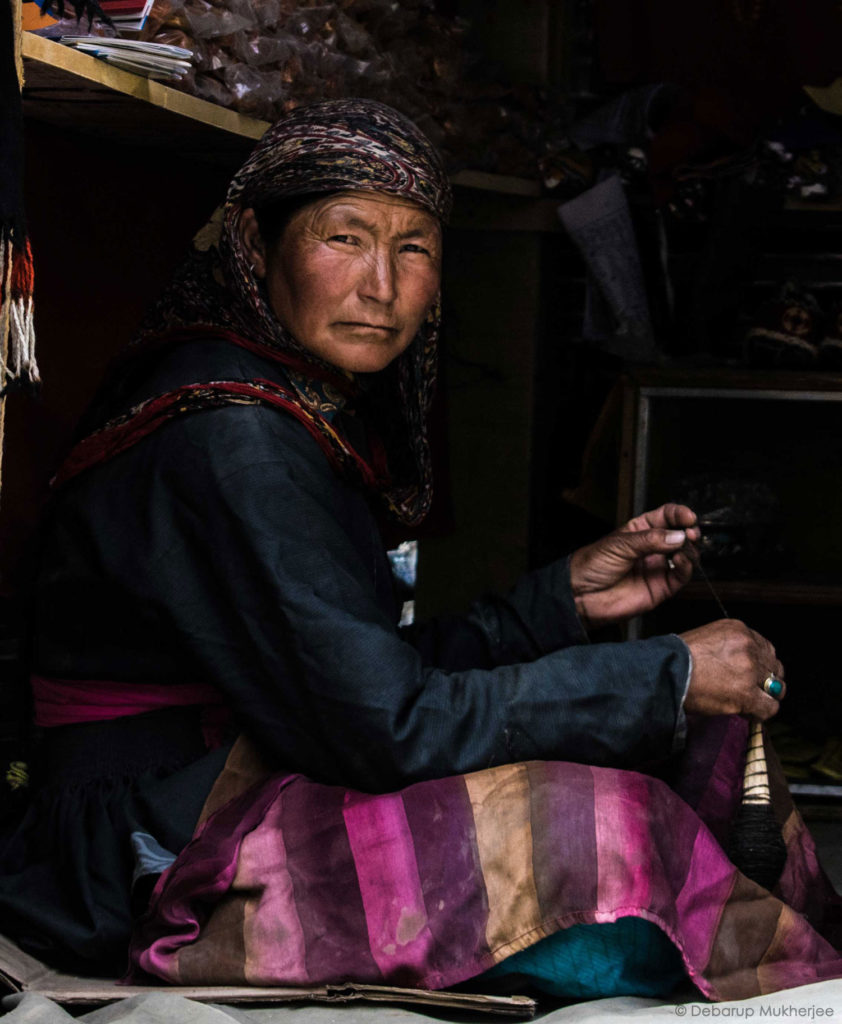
(362, 325)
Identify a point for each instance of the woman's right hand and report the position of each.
(730, 664)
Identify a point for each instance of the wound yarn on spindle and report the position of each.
(756, 845)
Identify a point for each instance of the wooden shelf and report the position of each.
(823, 807)
(819, 789)
(734, 379)
(813, 205)
(74, 90)
(500, 183)
(765, 592)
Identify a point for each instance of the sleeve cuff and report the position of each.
(680, 734)
(543, 601)
(537, 617)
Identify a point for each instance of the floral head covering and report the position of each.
(339, 145)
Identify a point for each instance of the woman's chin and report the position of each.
(369, 365)
(359, 357)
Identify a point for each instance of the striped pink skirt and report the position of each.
(291, 883)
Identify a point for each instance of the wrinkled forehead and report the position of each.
(361, 207)
(344, 145)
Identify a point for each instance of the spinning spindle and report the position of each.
(757, 847)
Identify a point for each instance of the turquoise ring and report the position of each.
(774, 687)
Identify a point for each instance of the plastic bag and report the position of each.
(205, 21)
(265, 57)
(209, 87)
(253, 92)
(259, 50)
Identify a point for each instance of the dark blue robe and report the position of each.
(225, 549)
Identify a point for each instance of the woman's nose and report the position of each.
(379, 280)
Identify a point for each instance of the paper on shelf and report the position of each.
(164, 49)
(159, 60)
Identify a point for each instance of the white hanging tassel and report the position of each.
(17, 320)
(22, 340)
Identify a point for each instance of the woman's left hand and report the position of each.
(636, 567)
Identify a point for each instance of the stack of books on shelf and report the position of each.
(127, 15)
(154, 60)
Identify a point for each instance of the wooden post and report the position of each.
(6, 250)
(16, 24)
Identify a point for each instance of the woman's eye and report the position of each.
(344, 239)
(412, 247)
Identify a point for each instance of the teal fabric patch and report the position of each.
(628, 957)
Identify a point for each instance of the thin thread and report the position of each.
(698, 566)
(756, 789)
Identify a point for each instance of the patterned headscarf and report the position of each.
(340, 145)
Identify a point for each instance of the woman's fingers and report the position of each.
(668, 516)
(679, 515)
(763, 706)
(730, 665)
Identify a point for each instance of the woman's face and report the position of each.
(352, 276)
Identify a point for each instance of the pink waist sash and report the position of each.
(73, 701)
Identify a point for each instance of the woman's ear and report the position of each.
(252, 242)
